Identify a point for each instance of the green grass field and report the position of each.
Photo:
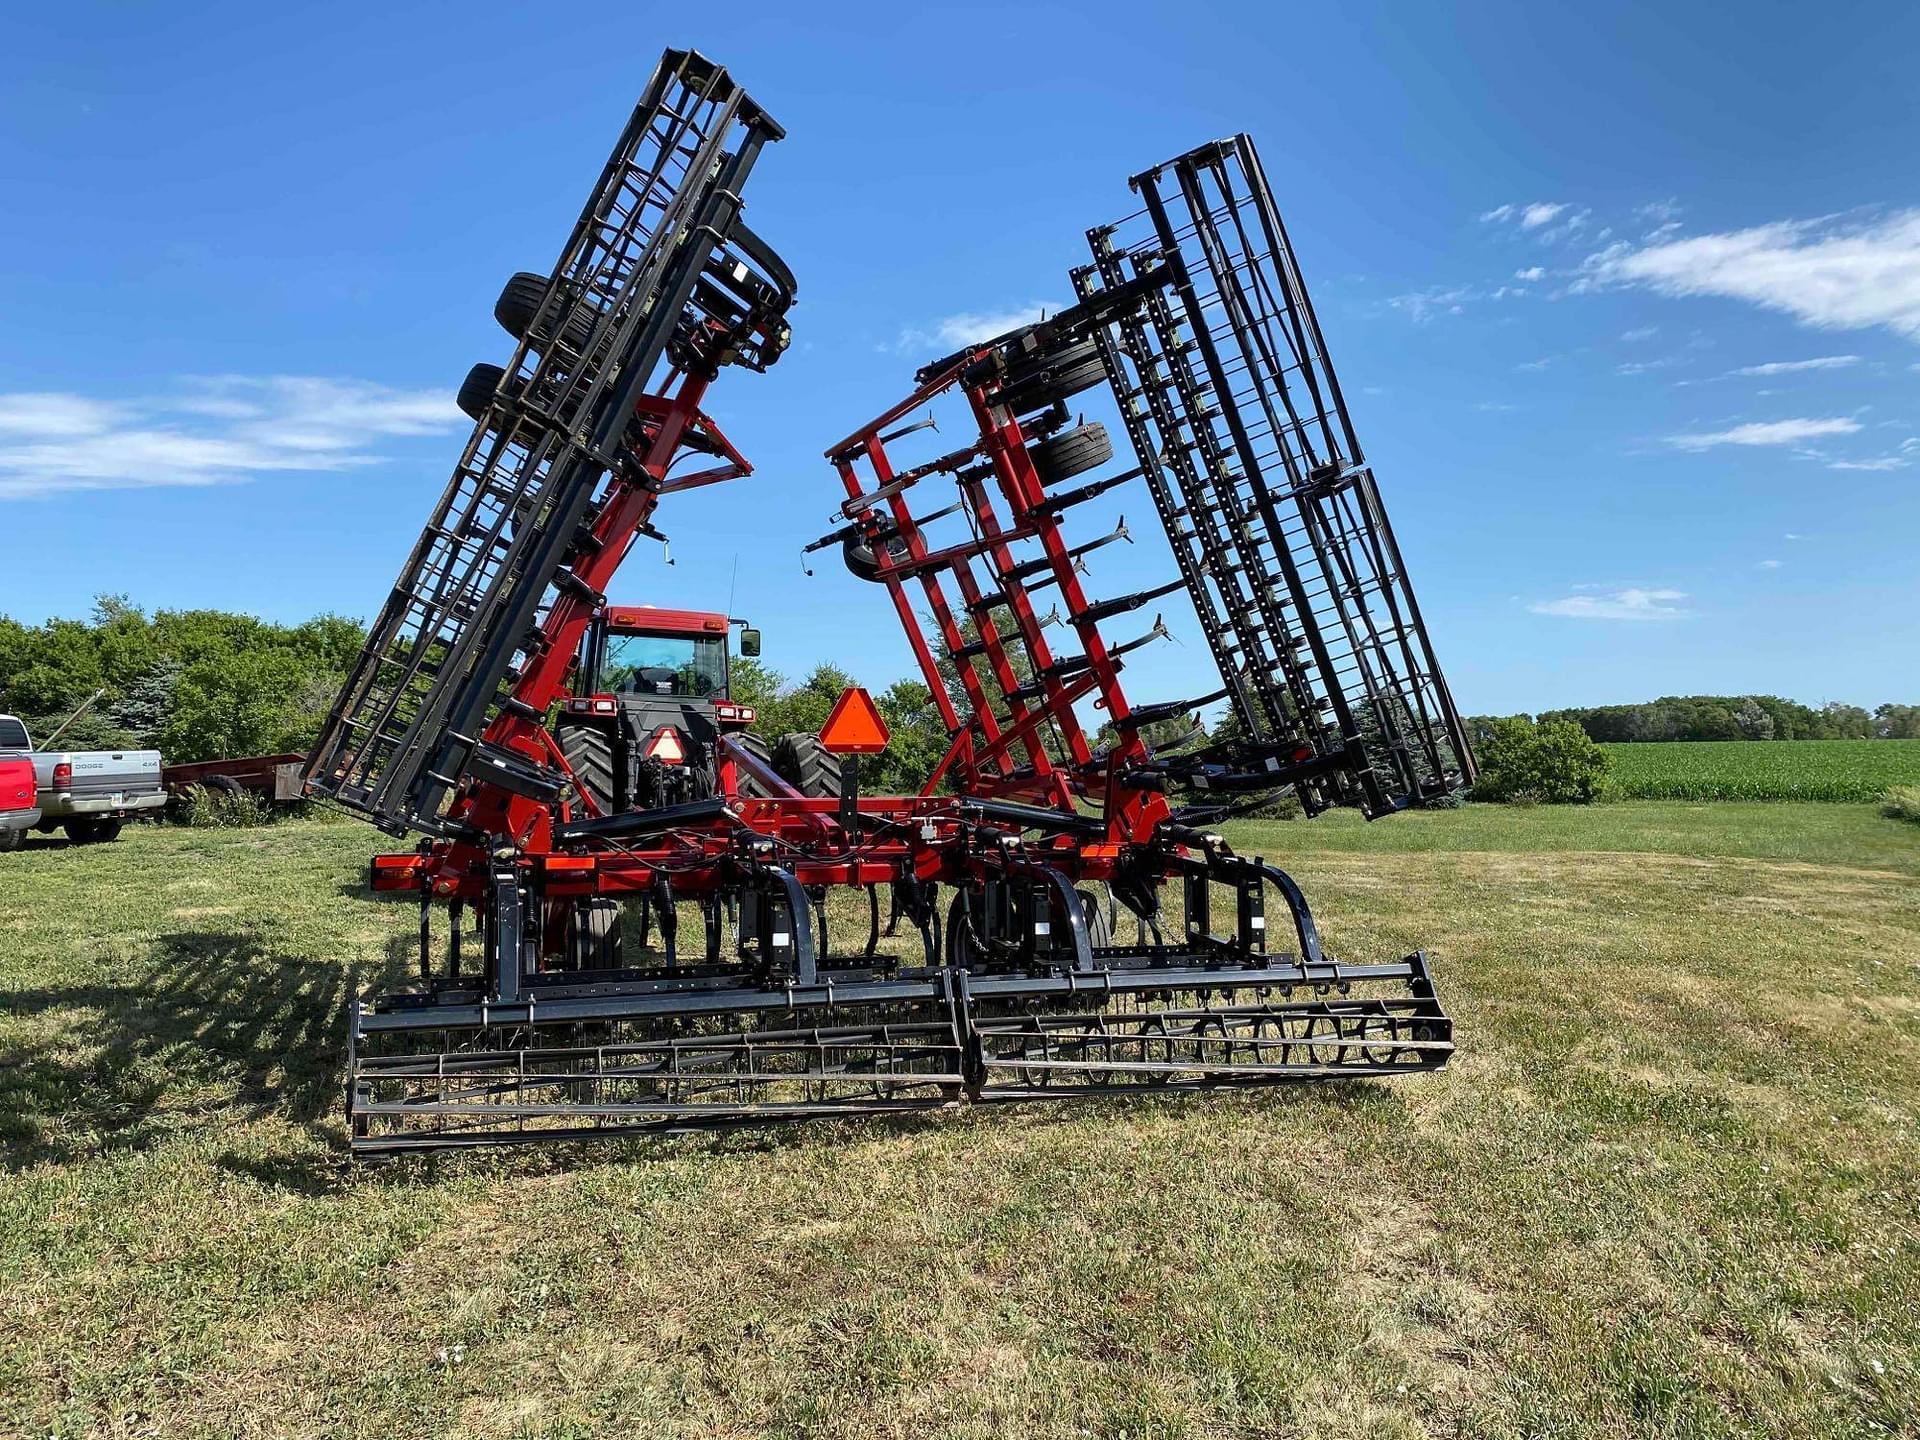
(1838, 770)
(1670, 1185)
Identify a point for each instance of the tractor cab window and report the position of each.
(685, 665)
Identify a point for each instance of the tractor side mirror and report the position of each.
(750, 644)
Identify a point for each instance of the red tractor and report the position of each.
(652, 695)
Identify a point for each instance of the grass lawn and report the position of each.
(1669, 1186)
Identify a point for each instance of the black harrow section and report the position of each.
(659, 278)
(1233, 408)
(429, 1079)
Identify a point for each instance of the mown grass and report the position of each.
(1847, 771)
(1669, 1187)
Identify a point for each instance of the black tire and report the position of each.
(807, 765)
(1071, 452)
(862, 563)
(756, 746)
(11, 839)
(225, 784)
(589, 751)
(478, 389)
(1036, 383)
(91, 831)
(594, 941)
(519, 304)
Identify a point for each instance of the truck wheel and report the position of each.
(11, 839)
(92, 832)
(1071, 452)
(1036, 383)
(807, 765)
(589, 752)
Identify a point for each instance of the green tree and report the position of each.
(1554, 761)
(244, 704)
(1897, 722)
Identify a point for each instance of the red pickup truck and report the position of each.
(19, 811)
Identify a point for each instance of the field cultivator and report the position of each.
(1073, 923)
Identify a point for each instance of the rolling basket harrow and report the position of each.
(568, 1006)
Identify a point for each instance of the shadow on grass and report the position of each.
(115, 1066)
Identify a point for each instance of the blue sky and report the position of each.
(1625, 298)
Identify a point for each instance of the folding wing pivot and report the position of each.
(660, 286)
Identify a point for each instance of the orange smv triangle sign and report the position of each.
(855, 726)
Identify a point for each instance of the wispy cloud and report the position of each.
(1631, 602)
(214, 430)
(1831, 273)
(1788, 367)
(1767, 432)
(1531, 273)
(971, 327)
(1771, 564)
(1421, 306)
(1641, 332)
(1543, 219)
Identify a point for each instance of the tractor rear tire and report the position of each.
(1036, 383)
(1071, 452)
(807, 765)
(589, 751)
(755, 745)
(478, 389)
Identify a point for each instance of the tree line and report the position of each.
(1741, 717)
(210, 684)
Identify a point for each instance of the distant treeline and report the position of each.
(208, 684)
(1741, 717)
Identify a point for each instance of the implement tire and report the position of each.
(1036, 383)
(478, 389)
(808, 766)
(1071, 452)
(519, 304)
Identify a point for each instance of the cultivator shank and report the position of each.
(1072, 924)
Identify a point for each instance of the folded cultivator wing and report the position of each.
(1074, 926)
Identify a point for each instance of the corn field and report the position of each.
(1837, 770)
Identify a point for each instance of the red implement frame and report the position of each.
(1014, 716)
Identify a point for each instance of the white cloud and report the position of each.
(1767, 432)
(971, 327)
(1532, 272)
(1788, 367)
(53, 416)
(1771, 564)
(1791, 536)
(220, 430)
(1878, 462)
(1533, 216)
(1643, 332)
(1631, 603)
(1541, 364)
(1422, 305)
(1640, 367)
(1829, 273)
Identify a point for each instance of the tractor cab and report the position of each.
(650, 698)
